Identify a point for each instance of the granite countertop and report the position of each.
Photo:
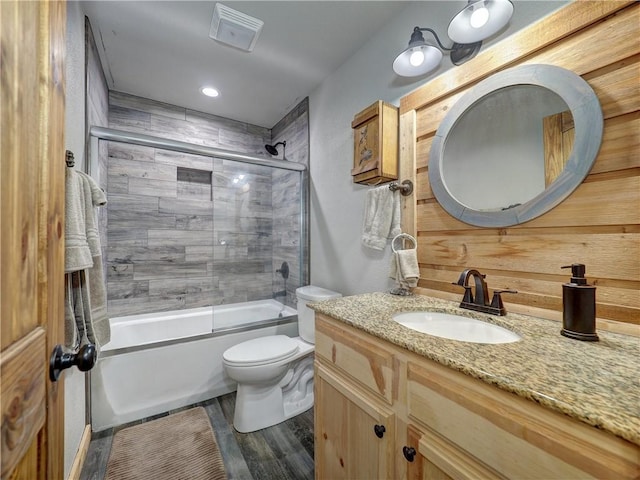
(595, 382)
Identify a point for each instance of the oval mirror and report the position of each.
(515, 146)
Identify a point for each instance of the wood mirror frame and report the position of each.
(587, 115)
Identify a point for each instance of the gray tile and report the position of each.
(194, 191)
(141, 169)
(128, 151)
(169, 254)
(117, 99)
(117, 184)
(130, 236)
(195, 222)
(181, 286)
(184, 160)
(152, 188)
(127, 119)
(184, 206)
(231, 453)
(157, 270)
(122, 219)
(121, 289)
(179, 238)
(132, 203)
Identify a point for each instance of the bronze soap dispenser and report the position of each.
(579, 306)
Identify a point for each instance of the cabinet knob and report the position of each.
(379, 429)
(409, 453)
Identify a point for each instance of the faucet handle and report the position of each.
(496, 301)
(468, 296)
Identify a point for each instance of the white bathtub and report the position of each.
(156, 362)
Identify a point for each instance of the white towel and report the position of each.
(381, 217)
(77, 252)
(404, 268)
(86, 318)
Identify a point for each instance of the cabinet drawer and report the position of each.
(516, 437)
(357, 357)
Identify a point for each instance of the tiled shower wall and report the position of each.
(163, 252)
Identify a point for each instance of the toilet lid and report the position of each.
(261, 350)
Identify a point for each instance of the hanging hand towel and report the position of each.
(381, 217)
(404, 268)
(407, 269)
(77, 255)
(98, 197)
(86, 305)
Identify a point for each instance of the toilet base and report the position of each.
(262, 406)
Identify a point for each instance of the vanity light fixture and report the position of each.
(477, 21)
(420, 57)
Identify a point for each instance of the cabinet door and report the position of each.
(419, 467)
(432, 457)
(354, 437)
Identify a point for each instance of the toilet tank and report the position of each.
(306, 316)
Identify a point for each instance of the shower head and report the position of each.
(273, 150)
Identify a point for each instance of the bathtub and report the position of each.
(156, 362)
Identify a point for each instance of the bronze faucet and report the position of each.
(480, 302)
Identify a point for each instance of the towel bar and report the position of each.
(69, 158)
(406, 188)
(403, 236)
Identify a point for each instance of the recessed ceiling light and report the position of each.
(209, 91)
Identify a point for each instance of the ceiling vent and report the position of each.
(234, 28)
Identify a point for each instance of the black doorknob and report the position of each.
(409, 453)
(85, 359)
(379, 429)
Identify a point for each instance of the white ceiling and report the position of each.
(162, 50)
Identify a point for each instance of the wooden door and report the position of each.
(558, 134)
(347, 445)
(32, 172)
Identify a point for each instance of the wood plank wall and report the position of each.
(598, 224)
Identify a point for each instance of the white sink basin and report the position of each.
(455, 327)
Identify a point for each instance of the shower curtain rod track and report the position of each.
(111, 134)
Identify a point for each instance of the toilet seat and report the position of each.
(261, 351)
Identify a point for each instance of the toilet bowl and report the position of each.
(275, 373)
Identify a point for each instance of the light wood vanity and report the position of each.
(378, 404)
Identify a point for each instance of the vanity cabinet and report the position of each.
(355, 435)
(355, 423)
(450, 425)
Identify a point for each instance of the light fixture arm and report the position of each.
(416, 36)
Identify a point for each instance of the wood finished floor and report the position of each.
(281, 452)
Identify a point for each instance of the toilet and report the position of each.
(275, 373)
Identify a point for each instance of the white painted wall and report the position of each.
(338, 259)
(74, 384)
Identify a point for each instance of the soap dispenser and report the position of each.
(579, 306)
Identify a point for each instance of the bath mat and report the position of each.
(181, 446)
